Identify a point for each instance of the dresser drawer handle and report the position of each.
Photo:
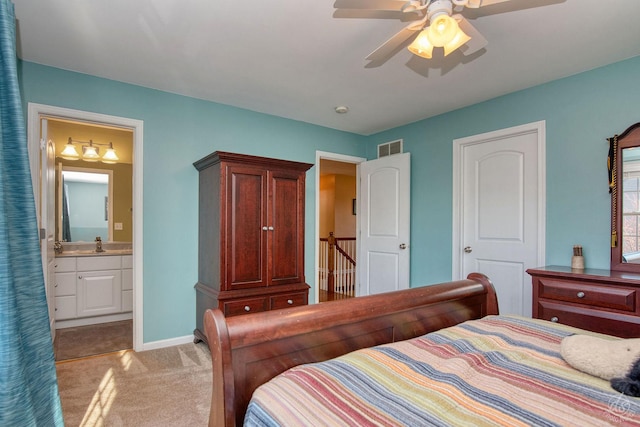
(289, 301)
(247, 308)
(554, 319)
(580, 294)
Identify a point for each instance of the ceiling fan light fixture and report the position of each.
(421, 45)
(458, 40)
(442, 30)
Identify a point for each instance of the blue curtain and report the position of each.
(28, 384)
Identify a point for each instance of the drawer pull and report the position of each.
(580, 294)
(247, 308)
(554, 319)
(289, 301)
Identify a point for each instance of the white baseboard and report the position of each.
(167, 343)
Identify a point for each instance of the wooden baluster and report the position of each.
(330, 264)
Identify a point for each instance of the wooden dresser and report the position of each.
(251, 235)
(597, 300)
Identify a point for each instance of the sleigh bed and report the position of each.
(436, 355)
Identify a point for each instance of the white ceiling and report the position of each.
(300, 59)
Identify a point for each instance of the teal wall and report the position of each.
(580, 112)
(178, 131)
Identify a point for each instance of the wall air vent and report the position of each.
(390, 148)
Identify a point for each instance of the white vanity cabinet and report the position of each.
(127, 283)
(93, 289)
(99, 285)
(65, 288)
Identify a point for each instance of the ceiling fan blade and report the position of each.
(477, 41)
(474, 4)
(395, 5)
(388, 47)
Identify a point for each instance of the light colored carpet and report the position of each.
(165, 387)
(83, 341)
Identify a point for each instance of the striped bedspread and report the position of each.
(500, 370)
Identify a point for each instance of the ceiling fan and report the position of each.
(435, 22)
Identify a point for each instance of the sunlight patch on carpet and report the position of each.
(102, 400)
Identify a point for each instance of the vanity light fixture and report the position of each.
(90, 151)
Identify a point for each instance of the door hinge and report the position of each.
(43, 144)
(43, 234)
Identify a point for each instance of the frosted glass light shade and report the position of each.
(70, 152)
(421, 45)
(442, 30)
(90, 153)
(110, 155)
(460, 38)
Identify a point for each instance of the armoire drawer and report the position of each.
(244, 306)
(612, 297)
(288, 300)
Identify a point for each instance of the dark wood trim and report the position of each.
(247, 351)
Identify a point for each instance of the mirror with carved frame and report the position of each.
(624, 158)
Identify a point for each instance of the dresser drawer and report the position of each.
(625, 326)
(63, 264)
(244, 306)
(65, 284)
(65, 307)
(102, 262)
(288, 300)
(589, 294)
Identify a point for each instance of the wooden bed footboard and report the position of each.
(249, 350)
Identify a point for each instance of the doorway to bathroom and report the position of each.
(91, 244)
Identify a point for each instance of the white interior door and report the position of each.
(384, 211)
(501, 208)
(47, 219)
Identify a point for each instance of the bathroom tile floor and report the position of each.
(83, 341)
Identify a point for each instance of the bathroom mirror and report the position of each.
(84, 204)
(625, 200)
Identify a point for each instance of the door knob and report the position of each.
(467, 250)
(403, 246)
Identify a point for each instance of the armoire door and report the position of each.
(285, 223)
(246, 227)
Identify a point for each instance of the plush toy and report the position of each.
(615, 360)
(629, 385)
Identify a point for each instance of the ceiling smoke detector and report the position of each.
(341, 109)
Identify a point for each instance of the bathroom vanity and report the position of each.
(93, 287)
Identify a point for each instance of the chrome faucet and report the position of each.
(99, 244)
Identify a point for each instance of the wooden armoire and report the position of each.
(251, 235)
